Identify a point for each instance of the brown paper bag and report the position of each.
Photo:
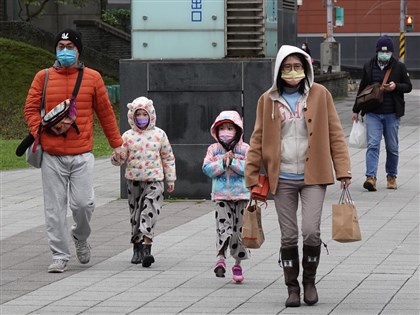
(345, 223)
(252, 230)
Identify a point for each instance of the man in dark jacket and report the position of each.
(384, 119)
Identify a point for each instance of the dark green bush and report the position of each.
(119, 18)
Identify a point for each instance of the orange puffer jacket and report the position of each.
(92, 97)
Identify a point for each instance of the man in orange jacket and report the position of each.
(68, 163)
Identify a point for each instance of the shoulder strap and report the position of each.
(43, 94)
(77, 86)
(72, 109)
(387, 73)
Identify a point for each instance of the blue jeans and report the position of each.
(378, 125)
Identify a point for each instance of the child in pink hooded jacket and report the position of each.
(149, 162)
(225, 163)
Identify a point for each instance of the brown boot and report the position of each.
(370, 183)
(310, 262)
(290, 263)
(391, 182)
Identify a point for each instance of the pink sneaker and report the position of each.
(237, 274)
(220, 268)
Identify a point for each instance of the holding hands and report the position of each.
(119, 155)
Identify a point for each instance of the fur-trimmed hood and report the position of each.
(145, 104)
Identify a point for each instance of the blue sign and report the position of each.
(196, 11)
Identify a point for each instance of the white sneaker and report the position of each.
(82, 251)
(57, 266)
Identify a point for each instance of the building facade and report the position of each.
(364, 22)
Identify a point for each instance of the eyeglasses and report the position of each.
(70, 46)
(288, 67)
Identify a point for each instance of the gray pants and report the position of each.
(229, 218)
(67, 182)
(145, 202)
(286, 200)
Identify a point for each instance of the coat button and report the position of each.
(309, 120)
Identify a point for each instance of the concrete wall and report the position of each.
(336, 82)
(188, 96)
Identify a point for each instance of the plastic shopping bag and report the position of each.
(358, 136)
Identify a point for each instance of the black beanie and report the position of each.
(384, 43)
(72, 35)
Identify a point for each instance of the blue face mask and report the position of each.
(383, 56)
(66, 57)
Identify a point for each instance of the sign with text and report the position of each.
(177, 29)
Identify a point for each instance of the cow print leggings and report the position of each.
(229, 217)
(145, 202)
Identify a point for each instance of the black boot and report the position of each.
(310, 262)
(290, 263)
(137, 253)
(148, 259)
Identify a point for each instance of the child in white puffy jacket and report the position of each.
(149, 162)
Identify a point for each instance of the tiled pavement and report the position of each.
(379, 275)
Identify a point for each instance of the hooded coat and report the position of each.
(227, 182)
(311, 141)
(149, 154)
